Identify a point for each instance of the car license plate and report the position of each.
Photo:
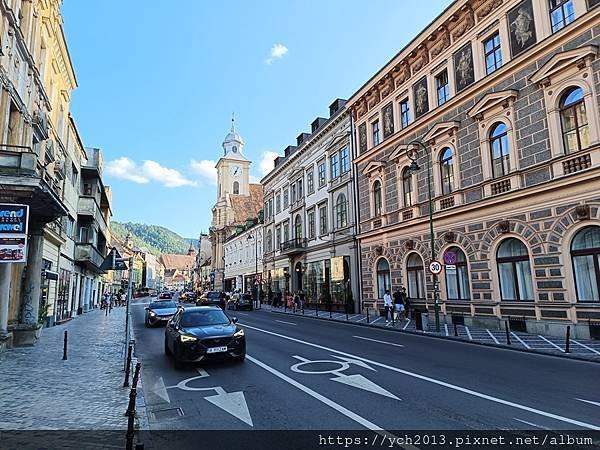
(216, 349)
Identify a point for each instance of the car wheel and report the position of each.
(167, 349)
(177, 359)
(146, 324)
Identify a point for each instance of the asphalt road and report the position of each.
(302, 373)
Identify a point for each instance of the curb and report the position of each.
(140, 401)
(451, 338)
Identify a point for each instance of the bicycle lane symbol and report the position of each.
(356, 380)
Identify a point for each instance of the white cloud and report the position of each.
(267, 162)
(278, 51)
(126, 169)
(206, 169)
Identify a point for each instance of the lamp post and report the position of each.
(257, 283)
(413, 155)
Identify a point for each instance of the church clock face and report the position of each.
(236, 171)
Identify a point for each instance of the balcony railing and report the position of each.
(89, 255)
(17, 160)
(293, 246)
(87, 206)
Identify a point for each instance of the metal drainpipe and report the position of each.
(356, 216)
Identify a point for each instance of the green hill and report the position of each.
(155, 238)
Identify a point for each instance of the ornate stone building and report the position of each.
(505, 97)
(237, 200)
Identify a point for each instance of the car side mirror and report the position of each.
(234, 320)
(147, 309)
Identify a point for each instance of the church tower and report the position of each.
(233, 168)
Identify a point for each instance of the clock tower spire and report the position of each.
(233, 169)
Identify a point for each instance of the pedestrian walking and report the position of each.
(301, 298)
(387, 303)
(398, 305)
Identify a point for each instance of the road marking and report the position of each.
(492, 336)
(283, 321)
(241, 314)
(379, 318)
(468, 333)
(446, 328)
(519, 339)
(586, 347)
(439, 382)
(406, 326)
(531, 424)
(361, 382)
(160, 390)
(360, 320)
(588, 401)
(339, 408)
(375, 340)
(551, 343)
(337, 315)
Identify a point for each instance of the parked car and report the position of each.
(165, 295)
(210, 298)
(159, 312)
(240, 301)
(198, 333)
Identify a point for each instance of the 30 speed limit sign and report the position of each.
(435, 267)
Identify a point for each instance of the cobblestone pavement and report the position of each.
(38, 390)
(589, 349)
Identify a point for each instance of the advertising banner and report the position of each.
(13, 249)
(13, 218)
(337, 268)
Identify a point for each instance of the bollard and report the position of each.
(367, 315)
(316, 309)
(285, 306)
(128, 366)
(568, 341)
(330, 311)
(346, 313)
(455, 330)
(302, 308)
(136, 377)
(393, 318)
(130, 419)
(507, 332)
(65, 347)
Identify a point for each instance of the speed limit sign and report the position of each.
(435, 267)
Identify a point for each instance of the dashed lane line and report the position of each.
(438, 382)
(531, 424)
(377, 340)
(283, 321)
(588, 401)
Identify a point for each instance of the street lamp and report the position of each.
(256, 280)
(413, 155)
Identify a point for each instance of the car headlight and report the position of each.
(152, 313)
(238, 333)
(186, 338)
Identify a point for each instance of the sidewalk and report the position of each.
(38, 390)
(579, 349)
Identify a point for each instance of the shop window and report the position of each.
(499, 149)
(573, 120)
(457, 278)
(447, 171)
(585, 252)
(416, 277)
(383, 277)
(514, 271)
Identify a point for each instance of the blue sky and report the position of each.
(158, 82)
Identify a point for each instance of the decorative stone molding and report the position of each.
(466, 22)
(373, 98)
(379, 250)
(374, 168)
(486, 7)
(504, 226)
(491, 102)
(387, 86)
(409, 244)
(450, 237)
(421, 58)
(581, 57)
(442, 129)
(401, 74)
(582, 212)
(441, 41)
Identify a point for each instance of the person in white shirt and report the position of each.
(387, 303)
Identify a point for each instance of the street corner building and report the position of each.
(44, 165)
(503, 98)
(309, 227)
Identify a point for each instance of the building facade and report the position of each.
(243, 258)
(504, 99)
(237, 200)
(309, 225)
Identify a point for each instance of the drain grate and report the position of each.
(168, 413)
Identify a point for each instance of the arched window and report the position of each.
(585, 251)
(447, 171)
(407, 187)
(500, 150)
(236, 187)
(377, 198)
(269, 241)
(416, 277)
(457, 278)
(383, 277)
(341, 211)
(573, 120)
(514, 271)
(298, 227)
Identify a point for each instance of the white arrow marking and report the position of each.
(588, 401)
(160, 390)
(358, 381)
(355, 361)
(234, 403)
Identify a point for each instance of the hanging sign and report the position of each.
(14, 221)
(13, 249)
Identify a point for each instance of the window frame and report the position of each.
(514, 261)
(442, 90)
(387, 277)
(595, 253)
(341, 211)
(562, 109)
(375, 133)
(560, 6)
(322, 174)
(404, 112)
(377, 187)
(334, 166)
(495, 51)
(407, 176)
(323, 219)
(446, 180)
(491, 139)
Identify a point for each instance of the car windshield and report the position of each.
(162, 305)
(213, 295)
(205, 317)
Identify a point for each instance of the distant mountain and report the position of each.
(155, 238)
